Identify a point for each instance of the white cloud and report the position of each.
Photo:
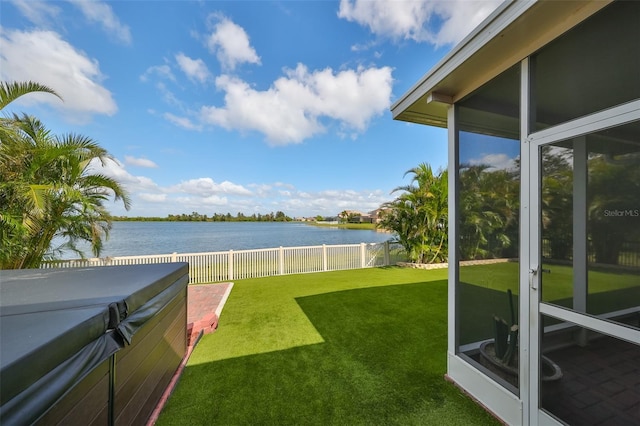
(117, 170)
(206, 187)
(44, 57)
(195, 69)
(160, 74)
(41, 13)
(497, 161)
(215, 200)
(164, 71)
(168, 96)
(183, 122)
(284, 185)
(331, 202)
(102, 13)
(206, 196)
(291, 109)
(230, 43)
(437, 22)
(247, 109)
(140, 162)
(153, 198)
(461, 17)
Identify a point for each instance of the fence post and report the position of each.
(281, 260)
(230, 265)
(174, 257)
(325, 260)
(363, 253)
(387, 254)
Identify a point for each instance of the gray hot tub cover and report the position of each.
(57, 325)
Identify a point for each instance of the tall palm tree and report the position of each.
(419, 215)
(48, 188)
(10, 133)
(489, 203)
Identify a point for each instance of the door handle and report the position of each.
(533, 273)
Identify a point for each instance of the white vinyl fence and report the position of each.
(234, 265)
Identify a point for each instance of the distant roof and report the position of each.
(511, 33)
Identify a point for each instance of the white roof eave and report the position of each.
(513, 31)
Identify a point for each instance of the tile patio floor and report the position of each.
(601, 384)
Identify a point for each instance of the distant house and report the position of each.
(305, 219)
(354, 216)
(365, 218)
(376, 215)
(544, 95)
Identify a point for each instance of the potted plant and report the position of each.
(501, 354)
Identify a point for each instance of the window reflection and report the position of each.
(591, 230)
(489, 197)
(488, 183)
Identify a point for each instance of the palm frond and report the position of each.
(10, 91)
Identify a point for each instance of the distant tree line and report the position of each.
(216, 217)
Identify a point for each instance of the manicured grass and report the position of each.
(361, 347)
(557, 280)
(483, 294)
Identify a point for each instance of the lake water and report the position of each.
(144, 238)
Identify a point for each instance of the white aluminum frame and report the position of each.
(493, 396)
(528, 298)
(530, 184)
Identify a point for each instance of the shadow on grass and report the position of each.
(382, 362)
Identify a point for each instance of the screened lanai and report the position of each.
(542, 103)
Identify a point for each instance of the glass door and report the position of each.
(584, 274)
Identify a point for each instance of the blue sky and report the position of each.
(238, 106)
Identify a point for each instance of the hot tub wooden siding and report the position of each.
(143, 372)
(87, 402)
(144, 369)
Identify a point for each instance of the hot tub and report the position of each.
(93, 345)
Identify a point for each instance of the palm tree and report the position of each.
(419, 215)
(48, 188)
(557, 202)
(489, 206)
(613, 187)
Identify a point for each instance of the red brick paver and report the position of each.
(204, 306)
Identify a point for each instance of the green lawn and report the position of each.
(360, 347)
(482, 294)
(557, 280)
(608, 290)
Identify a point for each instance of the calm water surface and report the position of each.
(142, 238)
